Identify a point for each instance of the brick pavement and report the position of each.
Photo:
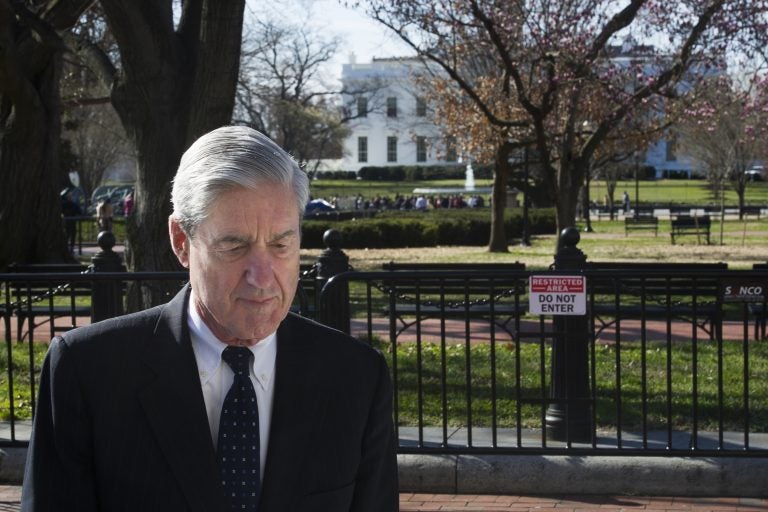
(10, 496)
(488, 503)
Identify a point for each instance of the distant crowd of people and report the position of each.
(412, 202)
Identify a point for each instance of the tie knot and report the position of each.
(238, 358)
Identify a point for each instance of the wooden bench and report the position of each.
(34, 298)
(751, 211)
(688, 225)
(641, 222)
(419, 291)
(604, 211)
(649, 290)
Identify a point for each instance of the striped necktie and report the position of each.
(238, 446)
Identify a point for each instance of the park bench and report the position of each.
(641, 222)
(690, 225)
(419, 291)
(46, 299)
(659, 291)
(751, 211)
(605, 212)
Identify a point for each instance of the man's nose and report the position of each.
(258, 270)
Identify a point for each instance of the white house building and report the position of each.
(394, 124)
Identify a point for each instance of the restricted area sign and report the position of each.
(557, 295)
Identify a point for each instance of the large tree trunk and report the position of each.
(498, 239)
(570, 176)
(30, 174)
(175, 85)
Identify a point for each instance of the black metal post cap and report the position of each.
(570, 237)
(332, 239)
(106, 240)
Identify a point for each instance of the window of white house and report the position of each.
(421, 149)
(392, 106)
(450, 149)
(362, 106)
(391, 149)
(421, 107)
(672, 148)
(362, 149)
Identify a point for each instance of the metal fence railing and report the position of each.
(37, 306)
(658, 363)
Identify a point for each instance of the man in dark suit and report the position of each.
(135, 413)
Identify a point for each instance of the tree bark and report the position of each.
(498, 239)
(30, 174)
(570, 176)
(175, 84)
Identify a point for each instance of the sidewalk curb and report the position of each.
(12, 462)
(550, 475)
(595, 474)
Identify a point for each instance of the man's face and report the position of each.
(243, 261)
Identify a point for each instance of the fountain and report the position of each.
(469, 177)
(469, 185)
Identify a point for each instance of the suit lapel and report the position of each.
(175, 408)
(299, 404)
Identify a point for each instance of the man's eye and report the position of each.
(232, 248)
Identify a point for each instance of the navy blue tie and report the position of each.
(238, 447)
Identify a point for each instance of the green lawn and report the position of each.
(500, 371)
(491, 368)
(22, 396)
(695, 192)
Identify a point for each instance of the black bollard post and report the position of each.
(569, 416)
(334, 304)
(106, 296)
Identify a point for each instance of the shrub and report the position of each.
(424, 229)
(422, 172)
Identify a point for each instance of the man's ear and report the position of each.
(179, 241)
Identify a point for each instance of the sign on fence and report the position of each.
(742, 290)
(557, 295)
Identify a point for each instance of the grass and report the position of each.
(495, 366)
(494, 383)
(696, 192)
(22, 383)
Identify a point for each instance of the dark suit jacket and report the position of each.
(121, 423)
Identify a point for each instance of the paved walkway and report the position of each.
(10, 496)
(483, 503)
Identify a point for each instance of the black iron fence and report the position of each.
(581, 359)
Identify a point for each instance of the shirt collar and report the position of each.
(208, 350)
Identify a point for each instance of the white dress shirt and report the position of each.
(216, 376)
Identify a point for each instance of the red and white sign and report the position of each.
(557, 295)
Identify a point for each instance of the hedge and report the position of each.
(424, 229)
(422, 172)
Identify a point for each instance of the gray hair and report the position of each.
(228, 158)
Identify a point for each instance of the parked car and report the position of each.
(755, 173)
(318, 206)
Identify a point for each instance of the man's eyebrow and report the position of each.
(228, 239)
(281, 236)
